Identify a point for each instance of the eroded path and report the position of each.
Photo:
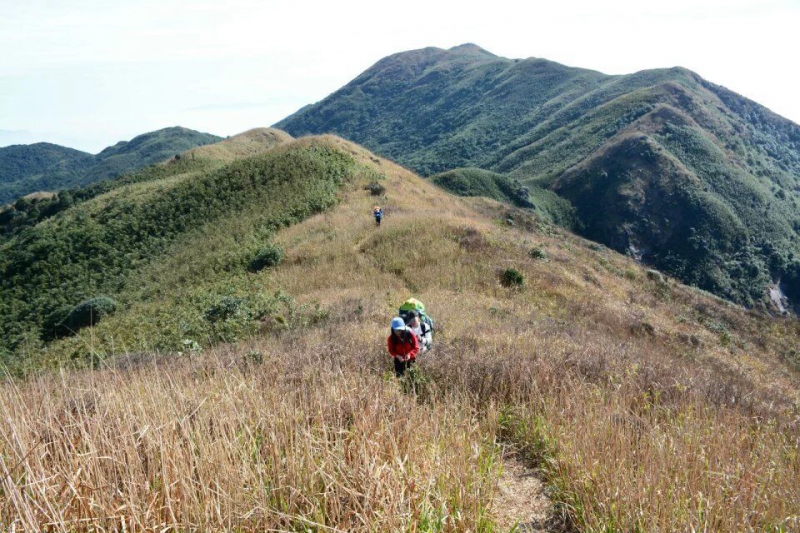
(522, 501)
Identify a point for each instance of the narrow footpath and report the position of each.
(522, 501)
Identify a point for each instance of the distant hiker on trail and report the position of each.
(403, 346)
(422, 330)
(377, 212)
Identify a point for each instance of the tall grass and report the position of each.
(222, 443)
(620, 458)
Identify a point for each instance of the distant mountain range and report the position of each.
(684, 174)
(25, 169)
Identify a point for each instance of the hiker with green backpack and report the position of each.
(413, 312)
(411, 335)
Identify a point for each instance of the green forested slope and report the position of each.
(48, 167)
(39, 167)
(500, 187)
(580, 132)
(215, 216)
(146, 149)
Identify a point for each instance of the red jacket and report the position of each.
(405, 349)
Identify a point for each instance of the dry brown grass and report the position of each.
(647, 406)
(40, 195)
(222, 443)
(246, 144)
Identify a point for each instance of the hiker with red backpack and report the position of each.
(403, 346)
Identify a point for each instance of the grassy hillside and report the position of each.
(99, 245)
(48, 167)
(478, 182)
(644, 405)
(249, 143)
(571, 130)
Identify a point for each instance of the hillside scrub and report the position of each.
(97, 245)
(503, 188)
(90, 312)
(26, 213)
(267, 256)
(298, 422)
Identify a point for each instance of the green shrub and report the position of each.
(375, 189)
(253, 358)
(90, 312)
(655, 275)
(269, 256)
(512, 277)
(538, 253)
(225, 308)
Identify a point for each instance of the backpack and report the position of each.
(426, 328)
(412, 304)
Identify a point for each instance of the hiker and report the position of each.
(403, 346)
(414, 308)
(377, 212)
(422, 330)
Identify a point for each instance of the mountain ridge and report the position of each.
(540, 122)
(28, 168)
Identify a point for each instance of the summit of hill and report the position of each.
(248, 143)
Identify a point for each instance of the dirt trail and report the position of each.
(522, 502)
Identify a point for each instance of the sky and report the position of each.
(89, 73)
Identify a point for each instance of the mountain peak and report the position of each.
(472, 49)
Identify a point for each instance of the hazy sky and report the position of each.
(87, 73)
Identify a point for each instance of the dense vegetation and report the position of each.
(477, 182)
(147, 223)
(39, 167)
(47, 167)
(731, 222)
(30, 210)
